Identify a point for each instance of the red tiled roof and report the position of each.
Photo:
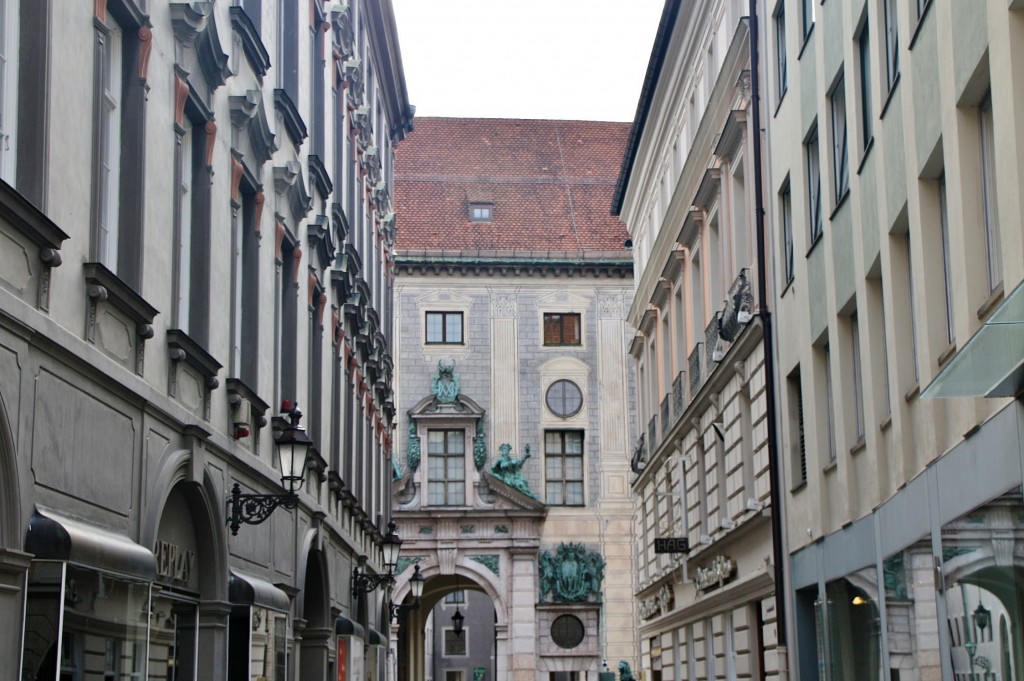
(551, 183)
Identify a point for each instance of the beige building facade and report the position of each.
(701, 462)
(895, 176)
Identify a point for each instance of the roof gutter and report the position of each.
(643, 107)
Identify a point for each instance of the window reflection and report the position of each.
(854, 634)
(910, 612)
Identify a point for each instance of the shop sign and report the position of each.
(657, 604)
(718, 572)
(350, 659)
(671, 545)
(174, 563)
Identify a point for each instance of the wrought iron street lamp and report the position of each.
(363, 583)
(293, 447)
(457, 622)
(416, 587)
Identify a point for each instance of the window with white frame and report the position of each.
(813, 184)
(444, 328)
(446, 467)
(786, 220)
(109, 162)
(8, 88)
(455, 645)
(988, 194)
(840, 157)
(781, 69)
(563, 468)
(892, 42)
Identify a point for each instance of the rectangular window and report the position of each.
(806, 17)
(858, 379)
(866, 120)
(988, 194)
(947, 275)
(108, 184)
(786, 218)
(561, 328)
(8, 87)
(481, 212)
(446, 467)
(444, 328)
(781, 75)
(184, 208)
(830, 422)
(840, 162)
(813, 184)
(287, 322)
(892, 42)
(563, 468)
(454, 645)
(455, 597)
(798, 445)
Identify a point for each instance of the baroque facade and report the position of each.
(707, 576)
(195, 228)
(895, 180)
(514, 399)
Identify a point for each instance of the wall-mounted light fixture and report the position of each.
(416, 587)
(363, 583)
(293, 447)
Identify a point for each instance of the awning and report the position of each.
(245, 589)
(51, 536)
(991, 363)
(375, 639)
(343, 626)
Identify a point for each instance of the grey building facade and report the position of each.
(195, 235)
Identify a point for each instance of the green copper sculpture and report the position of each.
(508, 470)
(480, 445)
(445, 385)
(571, 574)
(625, 673)
(412, 457)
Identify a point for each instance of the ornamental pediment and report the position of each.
(444, 297)
(563, 301)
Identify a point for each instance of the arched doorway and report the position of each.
(317, 627)
(427, 643)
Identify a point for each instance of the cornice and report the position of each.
(252, 45)
(293, 123)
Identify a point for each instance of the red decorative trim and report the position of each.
(336, 326)
(145, 47)
(99, 10)
(180, 97)
(211, 138)
(259, 200)
(297, 254)
(323, 306)
(236, 177)
(278, 239)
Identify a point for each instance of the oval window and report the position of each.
(564, 398)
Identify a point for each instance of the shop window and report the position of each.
(853, 648)
(562, 329)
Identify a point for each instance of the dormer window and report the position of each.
(481, 212)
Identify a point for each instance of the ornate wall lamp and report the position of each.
(364, 583)
(293, 447)
(416, 585)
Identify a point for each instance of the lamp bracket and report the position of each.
(397, 608)
(253, 509)
(364, 583)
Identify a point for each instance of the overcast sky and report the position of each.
(564, 59)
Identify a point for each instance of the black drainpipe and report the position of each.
(774, 469)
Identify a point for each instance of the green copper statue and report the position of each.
(445, 386)
(508, 470)
(571, 574)
(412, 457)
(480, 445)
(625, 673)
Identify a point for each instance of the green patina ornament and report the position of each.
(625, 673)
(445, 386)
(413, 454)
(480, 445)
(571, 574)
(490, 562)
(509, 470)
(405, 561)
(396, 469)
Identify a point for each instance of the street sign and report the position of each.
(671, 545)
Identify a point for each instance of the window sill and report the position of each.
(778, 104)
(789, 285)
(839, 203)
(867, 152)
(807, 40)
(859, 446)
(830, 467)
(913, 393)
(920, 23)
(889, 97)
(991, 302)
(819, 237)
(886, 423)
(947, 354)
(799, 487)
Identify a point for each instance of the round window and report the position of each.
(564, 398)
(567, 631)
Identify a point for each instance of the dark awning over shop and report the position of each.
(245, 589)
(343, 626)
(51, 536)
(375, 639)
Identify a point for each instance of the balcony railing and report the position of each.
(714, 343)
(739, 307)
(679, 393)
(652, 431)
(696, 369)
(666, 414)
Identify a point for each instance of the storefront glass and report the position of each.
(173, 638)
(909, 583)
(84, 625)
(854, 627)
(983, 579)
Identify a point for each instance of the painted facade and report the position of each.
(515, 482)
(195, 225)
(706, 582)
